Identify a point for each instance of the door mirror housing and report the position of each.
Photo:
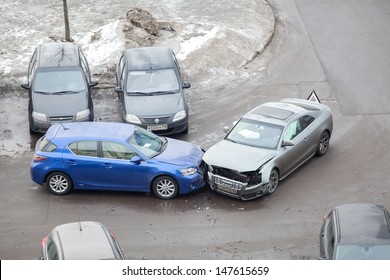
(287, 143)
(118, 89)
(25, 86)
(186, 85)
(136, 160)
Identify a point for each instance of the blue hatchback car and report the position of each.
(115, 156)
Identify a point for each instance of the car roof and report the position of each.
(58, 54)
(90, 130)
(362, 223)
(84, 240)
(147, 58)
(280, 112)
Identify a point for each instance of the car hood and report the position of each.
(60, 104)
(181, 153)
(153, 105)
(236, 156)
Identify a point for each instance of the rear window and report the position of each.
(46, 146)
(84, 148)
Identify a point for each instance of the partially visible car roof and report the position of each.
(363, 223)
(56, 54)
(91, 130)
(282, 111)
(85, 240)
(147, 58)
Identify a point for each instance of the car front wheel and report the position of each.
(273, 181)
(323, 144)
(165, 187)
(59, 183)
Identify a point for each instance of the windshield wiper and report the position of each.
(57, 92)
(137, 92)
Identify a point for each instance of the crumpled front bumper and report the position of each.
(235, 189)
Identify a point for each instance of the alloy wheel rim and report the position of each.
(324, 143)
(165, 188)
(58, 183)
(273, 182)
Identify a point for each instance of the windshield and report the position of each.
(256, 134)
(147, 142)
(363, 252)
(59, 82)
(152, 81)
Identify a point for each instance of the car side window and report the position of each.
(117, 151)
(84, 148)
(32, 67)
(120, 72)
(84, 65)
(297, 126)
(52, 251)
(330, 238)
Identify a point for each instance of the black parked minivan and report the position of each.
(150, 90)
(59, 84)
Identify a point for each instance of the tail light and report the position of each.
(39, 158)
(44, 240)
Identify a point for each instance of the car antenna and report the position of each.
(63, 126)
(78, 215)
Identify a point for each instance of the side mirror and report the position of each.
(226, 129)
(118, 89)
(136, 160)
(287, 143)
(25, 86)
(186, 85)
(93, 83)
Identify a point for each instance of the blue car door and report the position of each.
(119, 172)
(82, 163)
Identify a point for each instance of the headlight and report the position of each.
(132, 119)
(83, 114)
(188, 171)
(39, 116)
(179, 116)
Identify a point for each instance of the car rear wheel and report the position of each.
(59, 183)
(165, 187)
(273, 181)
(323, 144)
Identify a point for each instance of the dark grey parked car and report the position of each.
(266, 145)
(81, 241)
(356, 232)
(150, 90)
(59, 84)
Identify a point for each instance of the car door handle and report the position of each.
(305, 139)
(107, 165)
(72, 162)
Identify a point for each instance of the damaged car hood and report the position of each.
(236, 156)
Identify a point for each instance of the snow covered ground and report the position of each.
(212, 40)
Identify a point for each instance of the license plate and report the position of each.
(157, 127)
(225, 185)
(225, 189)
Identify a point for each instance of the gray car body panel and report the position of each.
(154, 105)
(286, 159)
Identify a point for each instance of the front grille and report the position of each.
(157, 120)
(61, 119)
(250, 178)
(230, 174)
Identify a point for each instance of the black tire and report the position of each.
(323, 144)
(59, 183)
(165, 187)
(273, 181)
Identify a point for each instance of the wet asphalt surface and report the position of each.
(204, 224)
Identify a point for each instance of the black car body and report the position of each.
(150, 90)
(356, 232)
(86, 240)
(59, 84)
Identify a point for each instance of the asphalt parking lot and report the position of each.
(230, 72)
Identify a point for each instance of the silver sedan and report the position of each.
(266, 145)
